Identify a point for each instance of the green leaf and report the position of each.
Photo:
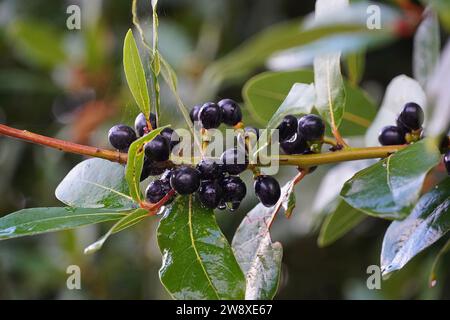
(33, 221)
(389, 188)
(95, 183)
(355, 64)
(198, 262)
(432, 279)
(427, 223)
(338, 223)
(38, 43)
(264, 93)
(135, 74)
(442, 7)
(330, 89)
(258, 256)
(401, 90)
(127, 221)
(135, 163)
(427, 45)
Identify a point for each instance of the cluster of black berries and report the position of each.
(408, 128)
(158, 150)
(211, 115)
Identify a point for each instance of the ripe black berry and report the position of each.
(166, 175)
(209, 169)
(391, 135)
(171, 136)
(210, 115)
(411, 117)
(311, 127)
(234, 189)
(121, 137)
(150, 168)
(267, 190)
(234, 161)
(210, 194)
(185, 180)
(156, 190)
(231, 112)
(194, 113)
(447, 162)
(287, 127)
(158, 149)
(294, 145)
(140, 124)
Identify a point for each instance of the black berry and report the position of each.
(231, 112)
(210, 115)
(194, 113)
(294, 145)
(166, 175)
(140, 124)
(158, 149)
(210, 194)
(234, 161)
(150, 168)
(185, 180)
(444, 144)
(411, 117)
(209, 169)
(234, 189)
(391, 135)
(121, 137)
(287, 127)
(234, 205)
(171, 136)
(311, 127)
(267, 190)
(447, 162)
(156, 190)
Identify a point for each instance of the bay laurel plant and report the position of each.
(184, 176)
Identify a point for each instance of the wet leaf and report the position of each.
(198, 262)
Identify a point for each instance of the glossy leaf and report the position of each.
(389, 188)
(427, 223)
(338, 223)
(439, 95)
(264, 93)
(34, 221)
(258, 256)
(95, 183)
(135, 163)
(38, 43)
(127, 221)
(401, 90)
(198, 262)
(427, 45)
(135, 74)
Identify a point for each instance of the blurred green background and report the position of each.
(70, 84)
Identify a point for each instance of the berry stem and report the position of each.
(63, 145)
(340, 141)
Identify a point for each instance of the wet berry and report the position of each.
(411, 117)
(150, 168)
(231, 112)
(210, 115)
(156, 190)
(209, 169)
(391, 135)
(141, 126)
(194, 113)
(158, 149)
(267, 190)
(234, 161)
(234, 189)
(447, 162)
(185, 180)
(287, 127)
(294, 145)
(311, 127)
(210, 194)
(171, 136)
(121, 137)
